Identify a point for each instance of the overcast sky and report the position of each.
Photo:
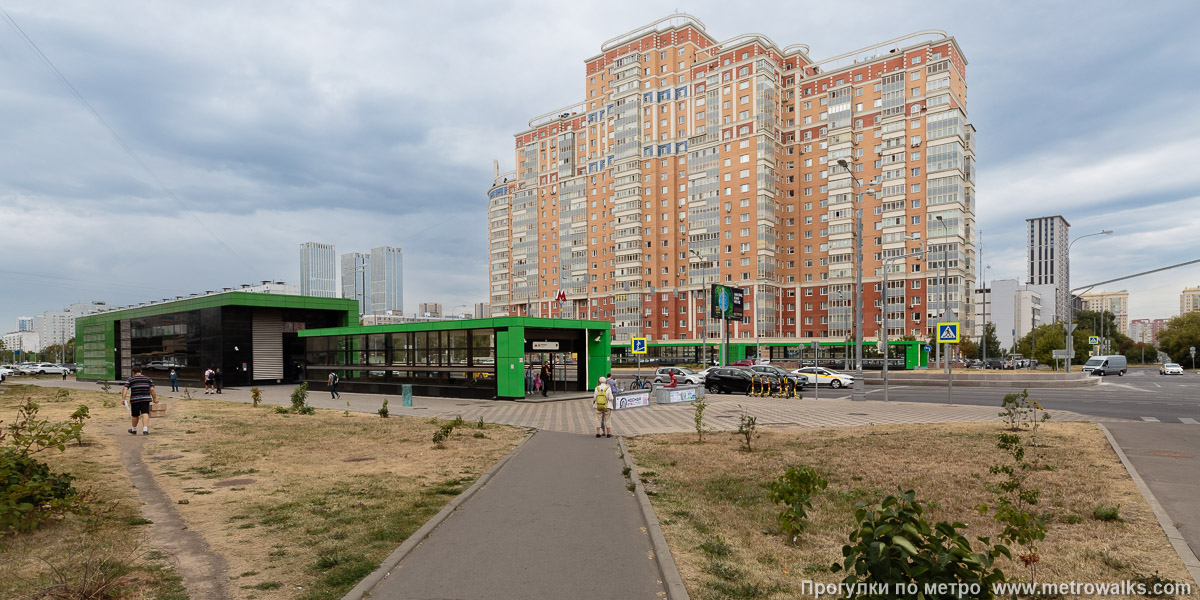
(268, 124)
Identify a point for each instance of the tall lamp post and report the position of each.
(986, 292)
(1069, 345)
(860, 393)
(886, 263)
(704, 339)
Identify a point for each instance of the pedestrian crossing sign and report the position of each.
(948, 333)
(639, 345)
(1094, 340)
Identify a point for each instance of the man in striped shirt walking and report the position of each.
(141, 393)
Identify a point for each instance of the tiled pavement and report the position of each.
(575, 416)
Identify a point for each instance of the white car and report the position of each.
(1170, 369)
(5, 373)
(682, 376)
(823, 376)
(46, 369)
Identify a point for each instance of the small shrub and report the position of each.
(748, 429)
(30, 492)
(458, 421)
(306, 410)
(1107, 514)
(255, 396)
(62, 394)
(77, 418)
(698, 418)
(1072, 519)
(480, 424)
(300, 397)
(443, 433)
(794, 489)
(715, 547)
(280, 410)
(479, 435)
(893, 543)
(106, 386)
(383, 410)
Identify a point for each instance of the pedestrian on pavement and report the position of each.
(546, 375)
(217, 380)
(602, 401)
(64, 373)
(612, 383)
(208, 377)
(141, 393)
(174, 381)
(333, 383)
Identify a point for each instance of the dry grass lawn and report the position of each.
(712, 501)
(103, 546)
(299, 506)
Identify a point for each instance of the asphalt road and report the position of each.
(1141, 395)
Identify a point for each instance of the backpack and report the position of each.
(602, 397)
(336, 379)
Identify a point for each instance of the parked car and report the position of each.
(823, 376)
(1170, 369)
(993, 363)
(728, 380)
(682, 376)
(1105, 365)
(774, 371)
(744, 362)
(46, 369)
(161, 365)
(5, 373)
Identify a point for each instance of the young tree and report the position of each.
(1182, 332)
(991, 341)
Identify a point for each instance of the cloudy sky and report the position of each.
(225, 134)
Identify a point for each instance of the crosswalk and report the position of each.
(1184, 420)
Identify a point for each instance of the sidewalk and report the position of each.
(554, 522)
(833, 409)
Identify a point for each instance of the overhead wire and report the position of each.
(116, 136)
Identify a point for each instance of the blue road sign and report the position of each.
(639, 345)
(928, 347)
(948, 333)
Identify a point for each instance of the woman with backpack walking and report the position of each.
(603, 403)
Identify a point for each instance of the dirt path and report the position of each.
(204, 572)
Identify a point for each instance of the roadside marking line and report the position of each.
(1150, 419)
(1188, 420)
(1158, 385)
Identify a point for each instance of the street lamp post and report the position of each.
(1069, 345)
(886, 263)
(986, 292)
(860, 393)
(704, 339)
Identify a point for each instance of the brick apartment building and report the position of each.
(692, 161)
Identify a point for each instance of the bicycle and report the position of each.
(640, 384)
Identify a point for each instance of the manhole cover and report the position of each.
(859, 414)
(359, 459)
(1169, 454)
(233, 482)
(165, 456)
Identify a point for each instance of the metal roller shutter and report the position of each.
(268, 345)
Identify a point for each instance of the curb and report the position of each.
(364, 587)
(662, 553)
(1190, 562)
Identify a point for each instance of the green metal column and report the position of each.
(599, 356)
(510, 362)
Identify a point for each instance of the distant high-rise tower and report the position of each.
(25, 324)
(1047, 257)
(387, 280)
(1189, 300)
(430, 309)
(356, 279)
(318, 270)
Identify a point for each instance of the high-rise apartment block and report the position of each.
(1146, 331)
(356, 279)
(1116, 303)
(25, 324)
(1189, 300)
(1015, 309)
(318, 270)
(692, 161)
(1048, 258)
(430, 309)
(387, 280)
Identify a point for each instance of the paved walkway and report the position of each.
(555, 522)
(833, 409)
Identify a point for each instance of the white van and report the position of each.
(1105, 365)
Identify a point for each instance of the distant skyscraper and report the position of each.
(1047, 258)
(387, 280)
(1189, 300)
(318, 270)
(482, 310)
(356, 279)
(24, 323)
(1116, 303)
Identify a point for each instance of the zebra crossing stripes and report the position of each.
(1188, 420)
(1150, 419)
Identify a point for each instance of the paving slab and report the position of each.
(555, 522)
